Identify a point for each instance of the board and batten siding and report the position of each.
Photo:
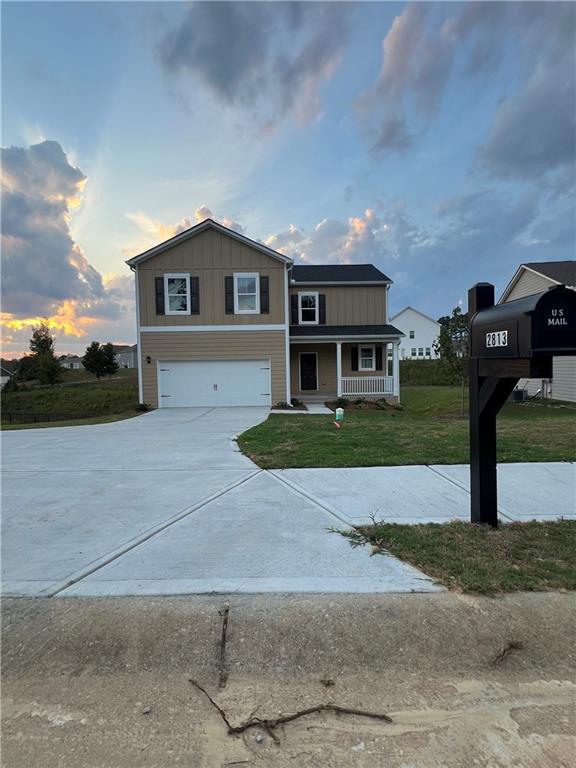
(563, 385)
(211, 256)
(212, 345)
(350, 305)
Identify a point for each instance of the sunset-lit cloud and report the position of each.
(45, 273)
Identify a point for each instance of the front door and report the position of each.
(308, 371)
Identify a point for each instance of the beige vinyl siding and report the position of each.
(564, 379)
(211, 256)
(352, 304)
(529, 283)
(213, 345)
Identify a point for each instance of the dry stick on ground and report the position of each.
(512, 645)
(269, 724)
(222, 673)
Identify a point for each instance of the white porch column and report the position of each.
(396, 370)
(385, 365)
(339, 368)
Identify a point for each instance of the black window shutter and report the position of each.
(194, 295)
(322, 309)
(378, 358)
(264, 295)
(294, 309)
(229, 294)
(354, 358)
(160, 296)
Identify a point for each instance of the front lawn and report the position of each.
(473, 558)
(428, 430)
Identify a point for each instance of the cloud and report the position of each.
(45, 273)
(534, 130)
(269, 59)
(154, 231)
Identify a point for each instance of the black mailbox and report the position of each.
(543, 324)
(507, 342)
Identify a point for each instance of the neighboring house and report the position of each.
(5, 376)
(225, 320)
(420, 333)
(536, 277)
(126, 355)
(72, 362)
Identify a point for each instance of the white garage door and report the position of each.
(214, 382)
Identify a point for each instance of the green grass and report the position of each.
(428, 430)
(88, 403)
(472, 558)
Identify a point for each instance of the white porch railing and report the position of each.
(367, 385)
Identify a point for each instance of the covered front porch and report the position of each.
(358, 367)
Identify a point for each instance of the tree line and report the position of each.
(43, 366)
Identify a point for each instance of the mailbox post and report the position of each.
(508, 342)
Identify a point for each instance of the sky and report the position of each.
(435, 140)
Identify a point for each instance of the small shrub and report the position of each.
(343, 402)
(282, 405)
(143, 407)
(296, 403)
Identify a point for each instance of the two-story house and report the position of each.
(225, 320)
(420, 333)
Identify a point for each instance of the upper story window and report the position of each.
(177, 294)
(246, 293)
(411, 334)
(367, 359)
(308, 308)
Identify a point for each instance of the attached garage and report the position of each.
(201, 383)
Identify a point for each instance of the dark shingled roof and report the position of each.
(344, 330)
(563, 271)
(338, 273)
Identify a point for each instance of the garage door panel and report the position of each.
(201, 383)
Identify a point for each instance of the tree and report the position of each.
(44, 366)
(48, 369)
(109, 357)
(26, 368)
(95, 360)
(42, 340)
(451, 346)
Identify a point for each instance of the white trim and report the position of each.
(138, 338)
(316, 308)
(176, 276)
(204, 328)
(339, 368)
(340, 282)
(300, 371)
(287, 336)
(256, 277)
(196, 230)
(396, 370)
(366, 346)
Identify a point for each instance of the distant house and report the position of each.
(126, 355)
(72, 362)
(536, 277)
(5, 376)
(420, 333)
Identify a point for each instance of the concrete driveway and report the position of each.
(166, 504)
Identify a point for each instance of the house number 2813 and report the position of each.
(497, 339)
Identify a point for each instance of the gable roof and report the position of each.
(337, 273)
(558, 272)
(5, 371)
(196, 230)
(427, 317)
